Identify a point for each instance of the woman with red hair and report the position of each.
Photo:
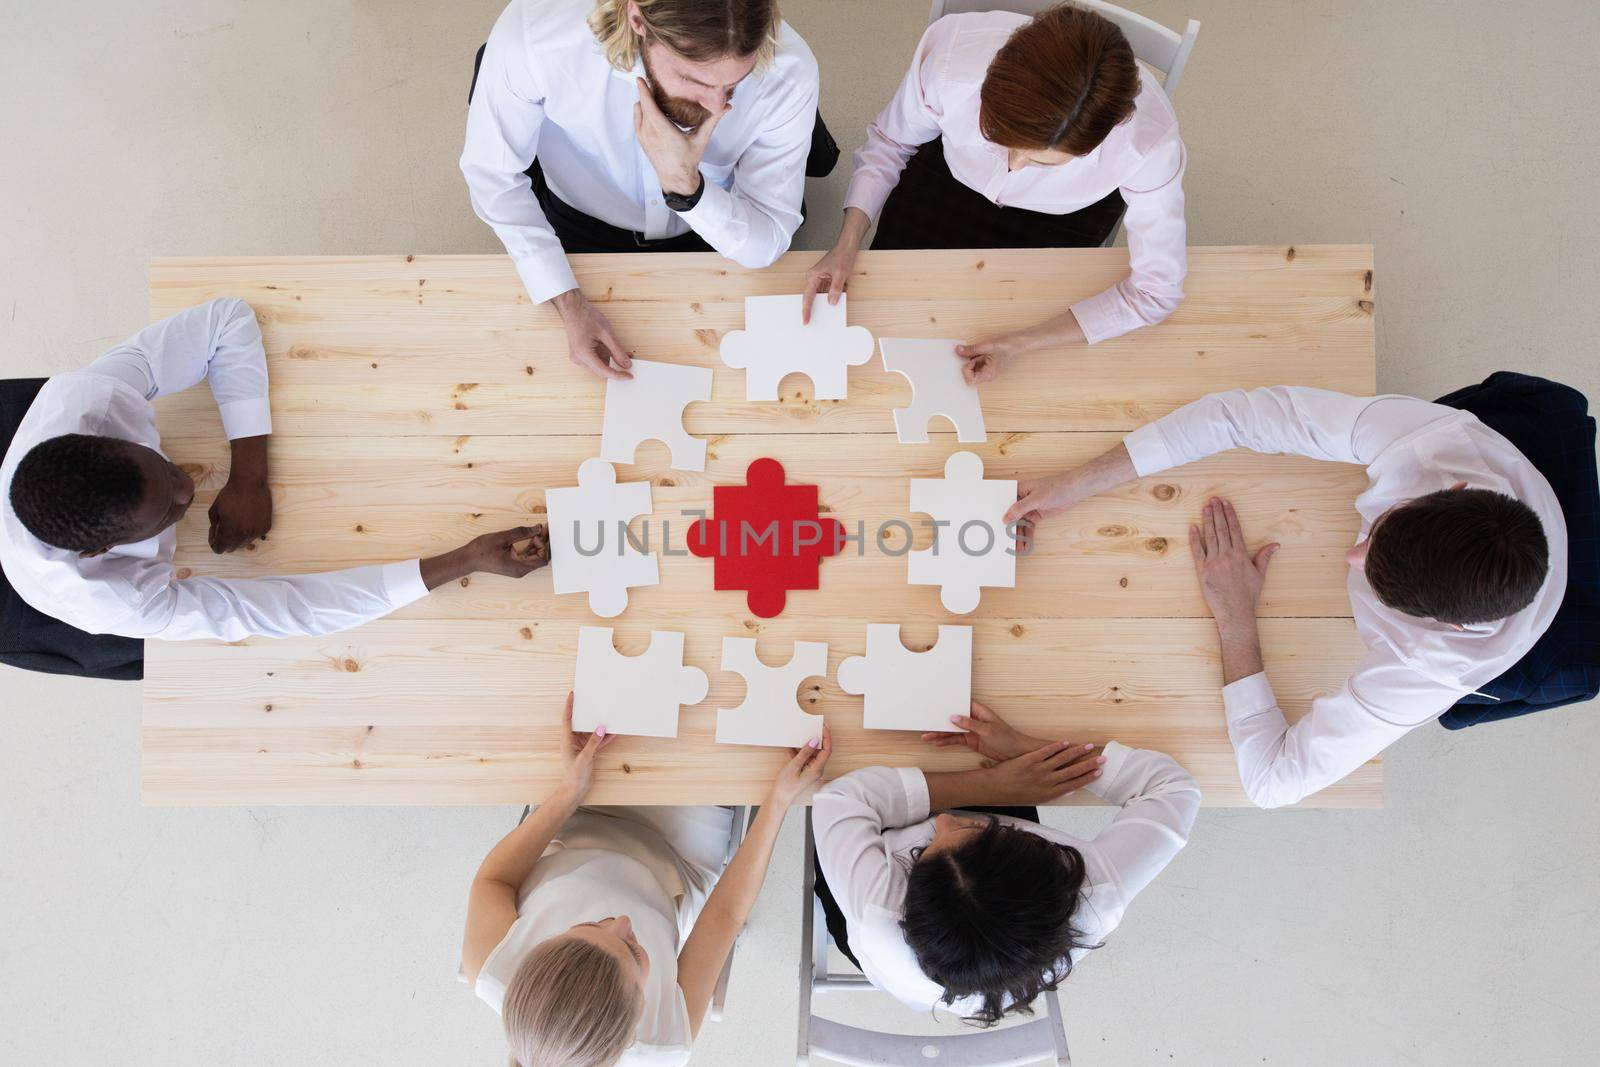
(1033, 133)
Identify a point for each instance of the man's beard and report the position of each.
(685, 113)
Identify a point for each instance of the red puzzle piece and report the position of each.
(766, 537)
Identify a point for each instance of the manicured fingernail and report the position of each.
(956, 719)
(599, 731)
(1088, 748)
(815, 742)
(1102, 759)
(1096, 774)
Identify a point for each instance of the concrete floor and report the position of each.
(1457, 925)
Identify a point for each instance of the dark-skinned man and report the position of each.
(90, 502)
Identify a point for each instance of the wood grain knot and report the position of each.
(360, 528)
(269, 707)
(1164, 492)
(1123, 582)
(1289, 255)
(1365, 305)
(527, 634)
(374, 366)
(1113, 531)
(525, 370)
(1018, 630)
(709, 338)
(1157, 545)
(355, 764)
(666, 483)
(184, 572)
(627, 769)
(465, 582)
(350, 665)
(1366, 282)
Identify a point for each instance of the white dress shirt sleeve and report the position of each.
(1159, 802)
(1158, 257)
(1281, 764)
(848, 817)
(218, 341)
(753, 223)
(302, 605)
(1288, 419)
(909, 119)
(503, 123)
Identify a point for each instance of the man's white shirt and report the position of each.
(546, 90)
(1415, 669)
(133, 590)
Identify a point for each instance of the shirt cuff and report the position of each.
(402, 582)
(1103, 316)
(865, 196)
(1148, 449)
(915, 786)
(546, 274)
(711, 214)
(1116, 754)
(1248, 696)
(246, 418)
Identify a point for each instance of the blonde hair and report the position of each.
(570, 1005)
(698, 30)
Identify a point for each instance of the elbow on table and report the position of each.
(1269, 790)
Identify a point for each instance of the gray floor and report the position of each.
(1458, 925)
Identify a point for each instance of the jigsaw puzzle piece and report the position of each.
(770, 714)
(906, 690)
(774, 343)
(589, 549)
(975, 549)
(649, 407)
(633, 694)
(765, 537)
(937, 388)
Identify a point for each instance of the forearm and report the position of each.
(1061, 331)
(448, 567)
(512, 860)
(1241, 648)
(959, 789)
(247, 467)
(853, 230)
(1106, 471)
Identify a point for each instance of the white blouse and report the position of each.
(1143, 157)
(868, 822)
(656, 866)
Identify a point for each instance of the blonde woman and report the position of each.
(599, 933)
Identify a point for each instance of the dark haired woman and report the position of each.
(982, 913)
(1034, 133)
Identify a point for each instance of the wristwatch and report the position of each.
(678, 202)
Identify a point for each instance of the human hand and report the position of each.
(1230, 578)
(240, 515)
(1039, 499)
(987, 355)
(673, 153)
(800, 776)
(987, 734)
(578, 753)
(498, 552)
(1043, 775)
(590, 342)
(829, 274)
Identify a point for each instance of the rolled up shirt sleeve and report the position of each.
(1287, 419)
(1158, 257)
(503, 125)
(232, 609)
(218, 342)
(909, 119)
(848, 817)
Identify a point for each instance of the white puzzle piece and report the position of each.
(975, 549)
(908, 690)
(650, 408)
(774, 343)
(937, 388)
(770, 715)
(594, 516)
(632, 694)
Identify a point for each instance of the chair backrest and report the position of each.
(1164, 50)
(1043, 1039)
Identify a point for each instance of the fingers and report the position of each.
(647, 102)
(813, 286)
(1023, 506)
(835, 286)
(1264, 557)
(1197, 545)
(981, 712)
(1066, 756)
(1235, 533)
(938, 740)
(619, 357)
(1208, 530)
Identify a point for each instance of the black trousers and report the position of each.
(930, 208)
(830, 907)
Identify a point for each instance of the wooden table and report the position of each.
(418, 401)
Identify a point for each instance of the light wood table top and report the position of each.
(418, 401)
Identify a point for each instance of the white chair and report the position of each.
(1042, 1040)
(1161, 49)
